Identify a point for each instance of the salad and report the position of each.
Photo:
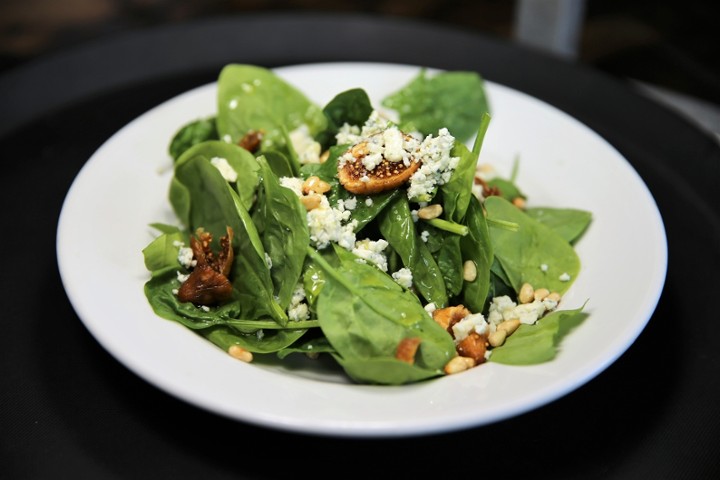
(369, 234)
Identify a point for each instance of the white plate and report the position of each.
(123, 188)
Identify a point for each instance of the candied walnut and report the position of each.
(487, 190)
(208, 283)
(449, 316)
(406, 349)
(473, 346)
(387, 175)
(251, 140)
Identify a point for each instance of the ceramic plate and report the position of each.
(103, 228)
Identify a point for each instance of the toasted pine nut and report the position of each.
(527, 293)
(311, 201)
(469, 271)
(541, 293)
(431, 211)
(509, 326)
(315, 184)
(497, 338)
(554, 296)
(519, 202)
(325, 155)
(459, 364)
(236, 351)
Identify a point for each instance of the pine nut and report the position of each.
(469, 271)
(519, 202)
(459, 364)
(527, 293)
(554, 296)
(236, 351)
(311, 201)
(497, 338)
(509, 326)
(431, 211)
(541, 293)
(315, 184)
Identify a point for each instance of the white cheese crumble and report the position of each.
(225, 169)
(475, 322)
(293, 183)
(404, 278)
(544, 267)
(298, 308)
(437, 165)
(185, 255)
(327, 224)
(305, 146)
(372, 251)
(503, 308)
(564, 277)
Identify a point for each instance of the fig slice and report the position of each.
(387, 175)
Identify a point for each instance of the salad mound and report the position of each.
(371, 235)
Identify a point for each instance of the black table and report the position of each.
(69, 410)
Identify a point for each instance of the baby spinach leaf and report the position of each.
(365, 315)
(255, 98)
(569, 223)
(269, 341)
(191, 134)
(476, 247)
(162, 252)
(398, 229)
(457, 191)
(239, 159)
(524, 252)
(533, 344)
(351, 106)
(455, 100)
(282, 225)
(250, 271)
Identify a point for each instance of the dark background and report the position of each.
(667, 43)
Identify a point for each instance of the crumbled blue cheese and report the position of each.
(185, 255)
(293, 183)
(503, 308)
(437, 166)
(352, 134)
(404, 278)
(268, 261)
(544, 267)
(225, 169)
(305, 146)
(475, 322)
(327, 224)
(372, 251)
(564, 277)
(298, 308)
(424, 235)
(182, 277)
(369, 201)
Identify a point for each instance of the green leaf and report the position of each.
(454, 100)
(523, 253)
(255, 98)
(538, 343)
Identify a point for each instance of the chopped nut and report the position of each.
(497, 338)
(311, 201)
(509, 326)
(526, 294)
(314, 184)
(236, 351)
(449, 316)
(473, 346)
(429, 212)
(469, 271)
(459, 364)
(406, 349)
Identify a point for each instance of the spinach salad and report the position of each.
(333, 230)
